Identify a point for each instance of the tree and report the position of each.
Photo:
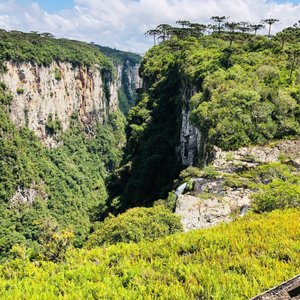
(183, 23)
(297, 24)
(154, 33)
(54, 242)
(219, 20)
(197, 29)
(244, 26)
(256, 27)
(285, 36)
(135, 225)
(164, 31)
(293, 60)
(231, 26)
(270, 22)
(47, 35)
(180, 32)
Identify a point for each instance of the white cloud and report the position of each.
(122, 23)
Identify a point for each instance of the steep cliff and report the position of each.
(129, 82)
(197, 94)
(52, 80)
(127, 68)
(65, 95)
(59, 90)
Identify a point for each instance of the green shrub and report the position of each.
(267, 172)
(209, 172)
(53, 125)
(233, 261)
(234, 180)
(57, 74)
(279, 194)
(171, 201)
(190, 172)
(136, 225)
(190, 185)
(20, 91)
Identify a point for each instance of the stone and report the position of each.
(79, 90)
(211, 202)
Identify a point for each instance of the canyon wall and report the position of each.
(59, 91)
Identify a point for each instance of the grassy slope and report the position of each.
(233, 261)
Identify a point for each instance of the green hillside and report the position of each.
(70, 179)
(239, 92)
(44, 48)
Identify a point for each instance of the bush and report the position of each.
(57, 74)
(20, 91)
(53, 125)
(279, 194)
(209, 172)
(135, 225)
(231, 261)
(268, 172)
(190, 172)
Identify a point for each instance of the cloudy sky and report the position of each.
(121, 23)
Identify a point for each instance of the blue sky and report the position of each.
(121, 24)
(51, 6)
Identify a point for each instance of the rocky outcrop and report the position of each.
(60, 91)
(28, 195)
(128, 78)
(214, 200)
(190, 140)
(210, 204)
(249, 157)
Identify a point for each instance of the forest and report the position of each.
(103, 225)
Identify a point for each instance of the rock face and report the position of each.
(129, 79)
(190, 136)
(28, 196)
(210, 204)
(190, 139)
(59, 90)
(248, 157)
(212, 201)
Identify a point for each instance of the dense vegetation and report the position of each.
(234, 261)
(44, 48)
(240, 91)
(135, 225)
(69, 179)
(119, 57)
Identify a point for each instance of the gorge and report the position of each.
(100, 147)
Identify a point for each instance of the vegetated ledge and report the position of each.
(237, 181)
(43, 49)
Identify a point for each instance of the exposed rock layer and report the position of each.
(211, 201)
(59, 90)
